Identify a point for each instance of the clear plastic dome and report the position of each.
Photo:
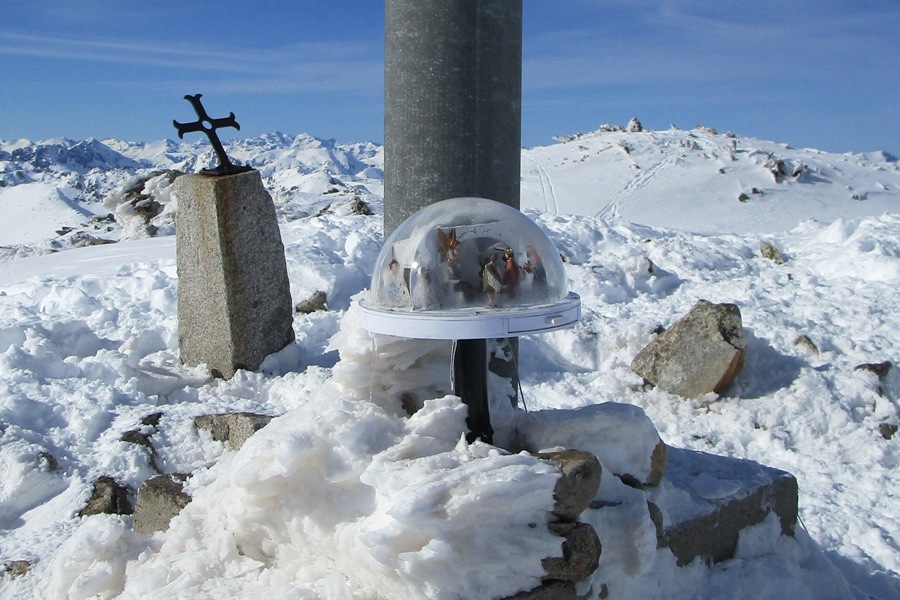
(463, 258)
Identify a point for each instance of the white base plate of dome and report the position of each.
(471, 323)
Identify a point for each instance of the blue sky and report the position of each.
(823, 73)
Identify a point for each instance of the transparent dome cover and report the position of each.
(463, 258)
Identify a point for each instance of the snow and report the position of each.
(32, 211)
(343, 495)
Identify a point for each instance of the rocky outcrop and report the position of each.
(699, 354)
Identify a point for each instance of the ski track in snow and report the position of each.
(644, 176)
(548, 194)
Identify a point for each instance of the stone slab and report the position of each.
(705, 501)
(234, 300)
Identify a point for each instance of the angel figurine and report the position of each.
(449, 250)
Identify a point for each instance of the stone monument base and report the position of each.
(234, 299)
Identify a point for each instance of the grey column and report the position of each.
(453, 109)
(453, 127)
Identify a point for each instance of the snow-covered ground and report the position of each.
(342, 496)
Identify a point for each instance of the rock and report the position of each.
(804, 342)
(81, 239)
(140, 437)
(659, 460)
(312, 304)
(634, 126)
(152, 420)
(782, 169)
(356, 206)
(881, 371)
(700, 353)
(717, 498)
(49, 461)
(234, 428)
(136, 436)
(887, 430)
(656, 517)
(15, 568)
(578, 485)
(158, 500)
(109, 497)
(552, 590)
(359, 207)
(581, 552)
(620, 435)
(769, 251)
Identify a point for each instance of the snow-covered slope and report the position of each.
(701, 180)
(344, 497)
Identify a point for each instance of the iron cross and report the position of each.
(208, 126)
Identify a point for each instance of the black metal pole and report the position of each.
(470, 383)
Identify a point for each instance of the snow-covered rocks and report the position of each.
(701, 353)
(621, 436)
(145, 205)
(88, 346)
(708, 500)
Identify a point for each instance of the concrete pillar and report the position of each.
(453, 109)
(234, 297)
(453, 127)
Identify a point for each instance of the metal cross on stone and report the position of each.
(208, 126)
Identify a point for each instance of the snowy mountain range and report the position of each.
(695, 180)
